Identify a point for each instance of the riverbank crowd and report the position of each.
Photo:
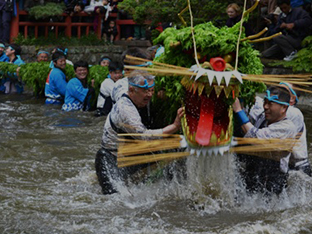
(126, 103)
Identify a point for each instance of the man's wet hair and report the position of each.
(281, 2)
(81, 63)
(57, 55)
(17, 48)
(115, 65)
(137, 76)
(281, 92)
(136, 52)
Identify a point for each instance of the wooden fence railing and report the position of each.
(20, 25)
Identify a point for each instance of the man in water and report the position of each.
(121, 86)
(125, 118)
(263, 174)
(78, 94)
(42, 56)
(299, 157)
(104, 101)
(55, 86)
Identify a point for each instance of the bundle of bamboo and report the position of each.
(134, 151)
(300, 81)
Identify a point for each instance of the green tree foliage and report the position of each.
(167, 11)
(47, 11)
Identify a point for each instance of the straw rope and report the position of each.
(240, 35)
(192, 30)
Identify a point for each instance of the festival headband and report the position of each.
(63, 51)
(291, 91)
(59, 57)
(42, 52)
(105, 59)
(146, 64)
(17, 55)
(145, 86)
(2, 45)
(274, 98)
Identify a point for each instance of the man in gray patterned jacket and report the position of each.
(268, 173)
(125, 118)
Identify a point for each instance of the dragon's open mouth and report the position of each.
(208, 114)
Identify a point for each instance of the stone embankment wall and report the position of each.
(305, 98)
(91, 54)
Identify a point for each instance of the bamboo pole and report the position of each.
(126, 161)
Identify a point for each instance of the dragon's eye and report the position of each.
(228, 58)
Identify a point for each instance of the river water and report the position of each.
(48, 184)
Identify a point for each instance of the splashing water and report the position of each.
(48, 185)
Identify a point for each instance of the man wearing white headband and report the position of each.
(299, 157)
(42, 56)
(261, 174)
(125, 118)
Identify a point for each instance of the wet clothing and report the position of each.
(104, 102)
(107, 171)
(299, 156)
(121, 86)
(267, 175)
(123, 118)
(55, 87)
(76, 96)
(4, 58)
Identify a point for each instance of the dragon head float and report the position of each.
(207, 97)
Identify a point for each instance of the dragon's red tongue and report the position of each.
(205, 123)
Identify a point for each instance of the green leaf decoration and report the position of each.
(34, 75)
(47, 11)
